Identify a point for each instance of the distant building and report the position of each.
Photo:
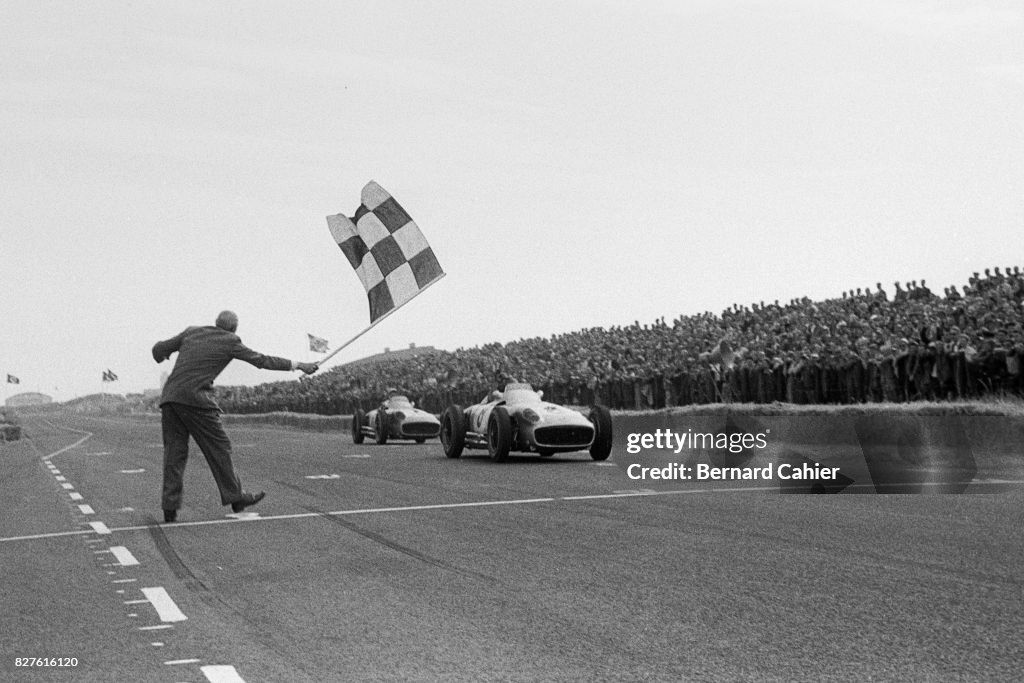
(401, 354)
(28, 398)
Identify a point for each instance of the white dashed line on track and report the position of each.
(124, 556)
(221, 674)
(165, 607)
(99, 527)
(86, 510)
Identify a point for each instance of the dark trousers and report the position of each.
(179, 423)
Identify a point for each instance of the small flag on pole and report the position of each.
(11, 379)
(109, 376)
(317, 344)
(387, 250)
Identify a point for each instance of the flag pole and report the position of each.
(374, 323)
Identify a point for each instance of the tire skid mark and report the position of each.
(398, 547)
(304, 491)
(278, 642)
(181, 570)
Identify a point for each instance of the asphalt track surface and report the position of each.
(383, 563)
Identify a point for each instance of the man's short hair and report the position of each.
(227, 320)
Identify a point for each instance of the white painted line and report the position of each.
(323, 476)
(243, 515)
(132, 471)
(75, 495)
(86, 509)
(99, 453)
(124, 581)
(101, 528)
(165, 607)
(221, 674)
(87, 436)
(124, 556)
(173, 662)
(53, 534)
(62, 478)
(67, 487)
(158, 627)
(157, 644)
(99, 552)
(356, 455)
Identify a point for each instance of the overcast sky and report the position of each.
(573, 164)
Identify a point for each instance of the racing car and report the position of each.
(395, 418)
(517, 419)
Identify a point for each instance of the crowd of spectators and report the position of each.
(866, 345)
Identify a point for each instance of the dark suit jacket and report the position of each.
(203, 353)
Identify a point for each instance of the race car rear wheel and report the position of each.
(453, 431)
(499, 434)
(381, 427)
(601, 447)
(357, 426)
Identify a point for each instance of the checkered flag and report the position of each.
(387, 250)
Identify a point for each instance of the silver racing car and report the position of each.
(518, 420)
(396, 418)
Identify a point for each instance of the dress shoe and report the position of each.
(246, 500)
(170, 516)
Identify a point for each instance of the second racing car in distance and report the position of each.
(395, 418)
(519, 420)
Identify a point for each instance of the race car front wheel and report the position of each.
(357, 426)
(453, 431)
(601, 447)
(499, 434)
(381, 427)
